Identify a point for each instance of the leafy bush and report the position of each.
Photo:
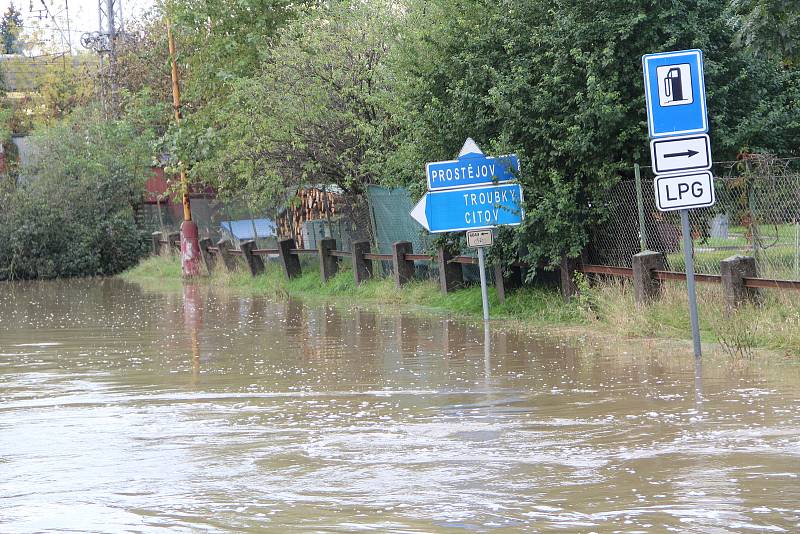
(73, 214)
(560, 83)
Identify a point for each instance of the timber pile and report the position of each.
(308, 205)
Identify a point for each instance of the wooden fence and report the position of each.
(737, 274)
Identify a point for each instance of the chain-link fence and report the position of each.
(757, 213)
(217, 219)
(346, 218)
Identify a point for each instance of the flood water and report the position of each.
(125, 410)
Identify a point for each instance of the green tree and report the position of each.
(769, 28)
(560, 82)
(143, 72)
(64, 87)
(73, 216)
(10, 30)
(314, 112)
(219, 45)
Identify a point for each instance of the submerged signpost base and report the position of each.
(675, 95)
(690, 285)
(484, 289)
(475, 193)
(481, 239)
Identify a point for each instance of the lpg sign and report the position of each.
(684, 191)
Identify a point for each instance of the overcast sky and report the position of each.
(82, 16)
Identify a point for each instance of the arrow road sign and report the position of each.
(471, 168)
(676, 154)
(470, 208)
(684, 191)
(675, 93)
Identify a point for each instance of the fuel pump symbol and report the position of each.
(673, 87)
(674, 84)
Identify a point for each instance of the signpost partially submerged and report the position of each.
(475, 193)
(481, 239)
(680, 148)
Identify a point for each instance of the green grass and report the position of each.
(163, 272)
(535, 305)
(775, 324)
(776, 260)
(608, 308)
(155, 268)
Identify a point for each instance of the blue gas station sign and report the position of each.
(675, 93)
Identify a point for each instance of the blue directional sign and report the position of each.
(675, 93)
(470, 208)
(471, 169)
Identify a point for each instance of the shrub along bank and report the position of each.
(607, 307)
(72, 214)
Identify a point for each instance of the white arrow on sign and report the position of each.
(470, 147)
(677, 154)
(418, 213)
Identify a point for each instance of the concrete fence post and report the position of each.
(362, 268)
(290, 262)
(224, 247)
(451, 275)
(733, 271)
(205, 243)
(254, 262)
(569, 266)
(155, 242)
(403, 268)
(328, 264)
(646, 286)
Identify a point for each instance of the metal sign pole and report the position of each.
(689, 262)
(487, 352)
(484, 290)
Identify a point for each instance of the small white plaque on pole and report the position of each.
(479, 238)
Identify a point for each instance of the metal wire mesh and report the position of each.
(757, 213)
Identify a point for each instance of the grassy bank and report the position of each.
(608, 307)
(538, 306)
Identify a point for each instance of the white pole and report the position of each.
(484, 290)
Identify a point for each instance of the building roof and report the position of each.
(243, 229)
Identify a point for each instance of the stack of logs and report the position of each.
(309, 204)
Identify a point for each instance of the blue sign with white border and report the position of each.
(471, 169)
(470, 208)
(675, 92)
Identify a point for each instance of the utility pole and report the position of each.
(104, 42)
(190, 244)
(112, 47)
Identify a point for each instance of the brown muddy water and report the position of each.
(123, 410)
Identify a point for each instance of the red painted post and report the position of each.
(190, 249)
